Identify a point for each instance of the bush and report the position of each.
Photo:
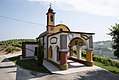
(106, 61)
(117, 64)
(113, 63)
(97, 58)
(40, 54)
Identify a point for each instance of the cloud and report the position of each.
(97, 7)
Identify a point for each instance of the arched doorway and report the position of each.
(79, 43)
(75, 46)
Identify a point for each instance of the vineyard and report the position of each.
(9, 46)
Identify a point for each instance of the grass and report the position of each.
(109, 68)
(30, 64)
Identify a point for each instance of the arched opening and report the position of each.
(50, 52)
(58, 54)
(77, 48)
(60, 29)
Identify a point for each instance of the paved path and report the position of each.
(9, 71)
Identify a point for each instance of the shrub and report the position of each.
(117, 64)
(40, 54)
(106, 61)
(113, 63)
(96, 58)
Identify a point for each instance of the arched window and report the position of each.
(58, 54)
(50, 52)
(60, 29)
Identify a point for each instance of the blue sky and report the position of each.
(94, 16)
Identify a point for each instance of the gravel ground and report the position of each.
(90, 75)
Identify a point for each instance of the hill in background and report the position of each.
(103, 48)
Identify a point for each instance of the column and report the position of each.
(71, 51)
(63, 60)
(78, 48)
(89, 59)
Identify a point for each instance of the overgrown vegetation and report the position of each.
(30, 64)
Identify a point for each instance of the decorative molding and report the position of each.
(53, 40)
(84, 36)
(70, 36)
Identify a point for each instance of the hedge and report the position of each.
(106, 61)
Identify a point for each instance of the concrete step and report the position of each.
(50, 67)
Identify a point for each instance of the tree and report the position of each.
(115, 39)
(40, 54)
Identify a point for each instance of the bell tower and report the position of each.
(50, 20)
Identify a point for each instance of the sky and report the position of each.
(21, 19)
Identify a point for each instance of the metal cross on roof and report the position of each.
(50, 5)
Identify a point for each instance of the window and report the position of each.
(60, 29)
(58, 54)
(63, 41)
(51, 29)
(51, 18)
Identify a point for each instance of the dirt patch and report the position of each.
(8, 49)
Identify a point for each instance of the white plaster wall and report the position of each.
(30, 53)
(54, 47)
(54, 51)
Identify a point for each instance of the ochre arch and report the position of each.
(61, 26)
(72, 42)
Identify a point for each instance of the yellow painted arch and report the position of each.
(61, 27)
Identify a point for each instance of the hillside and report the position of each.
(103, 48)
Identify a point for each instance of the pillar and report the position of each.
(89, 59)
(63, 60)
(78, 52)
(71, 51)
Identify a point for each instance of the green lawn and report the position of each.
(30, 64)
(109, 68)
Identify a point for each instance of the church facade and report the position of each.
(58, 43)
